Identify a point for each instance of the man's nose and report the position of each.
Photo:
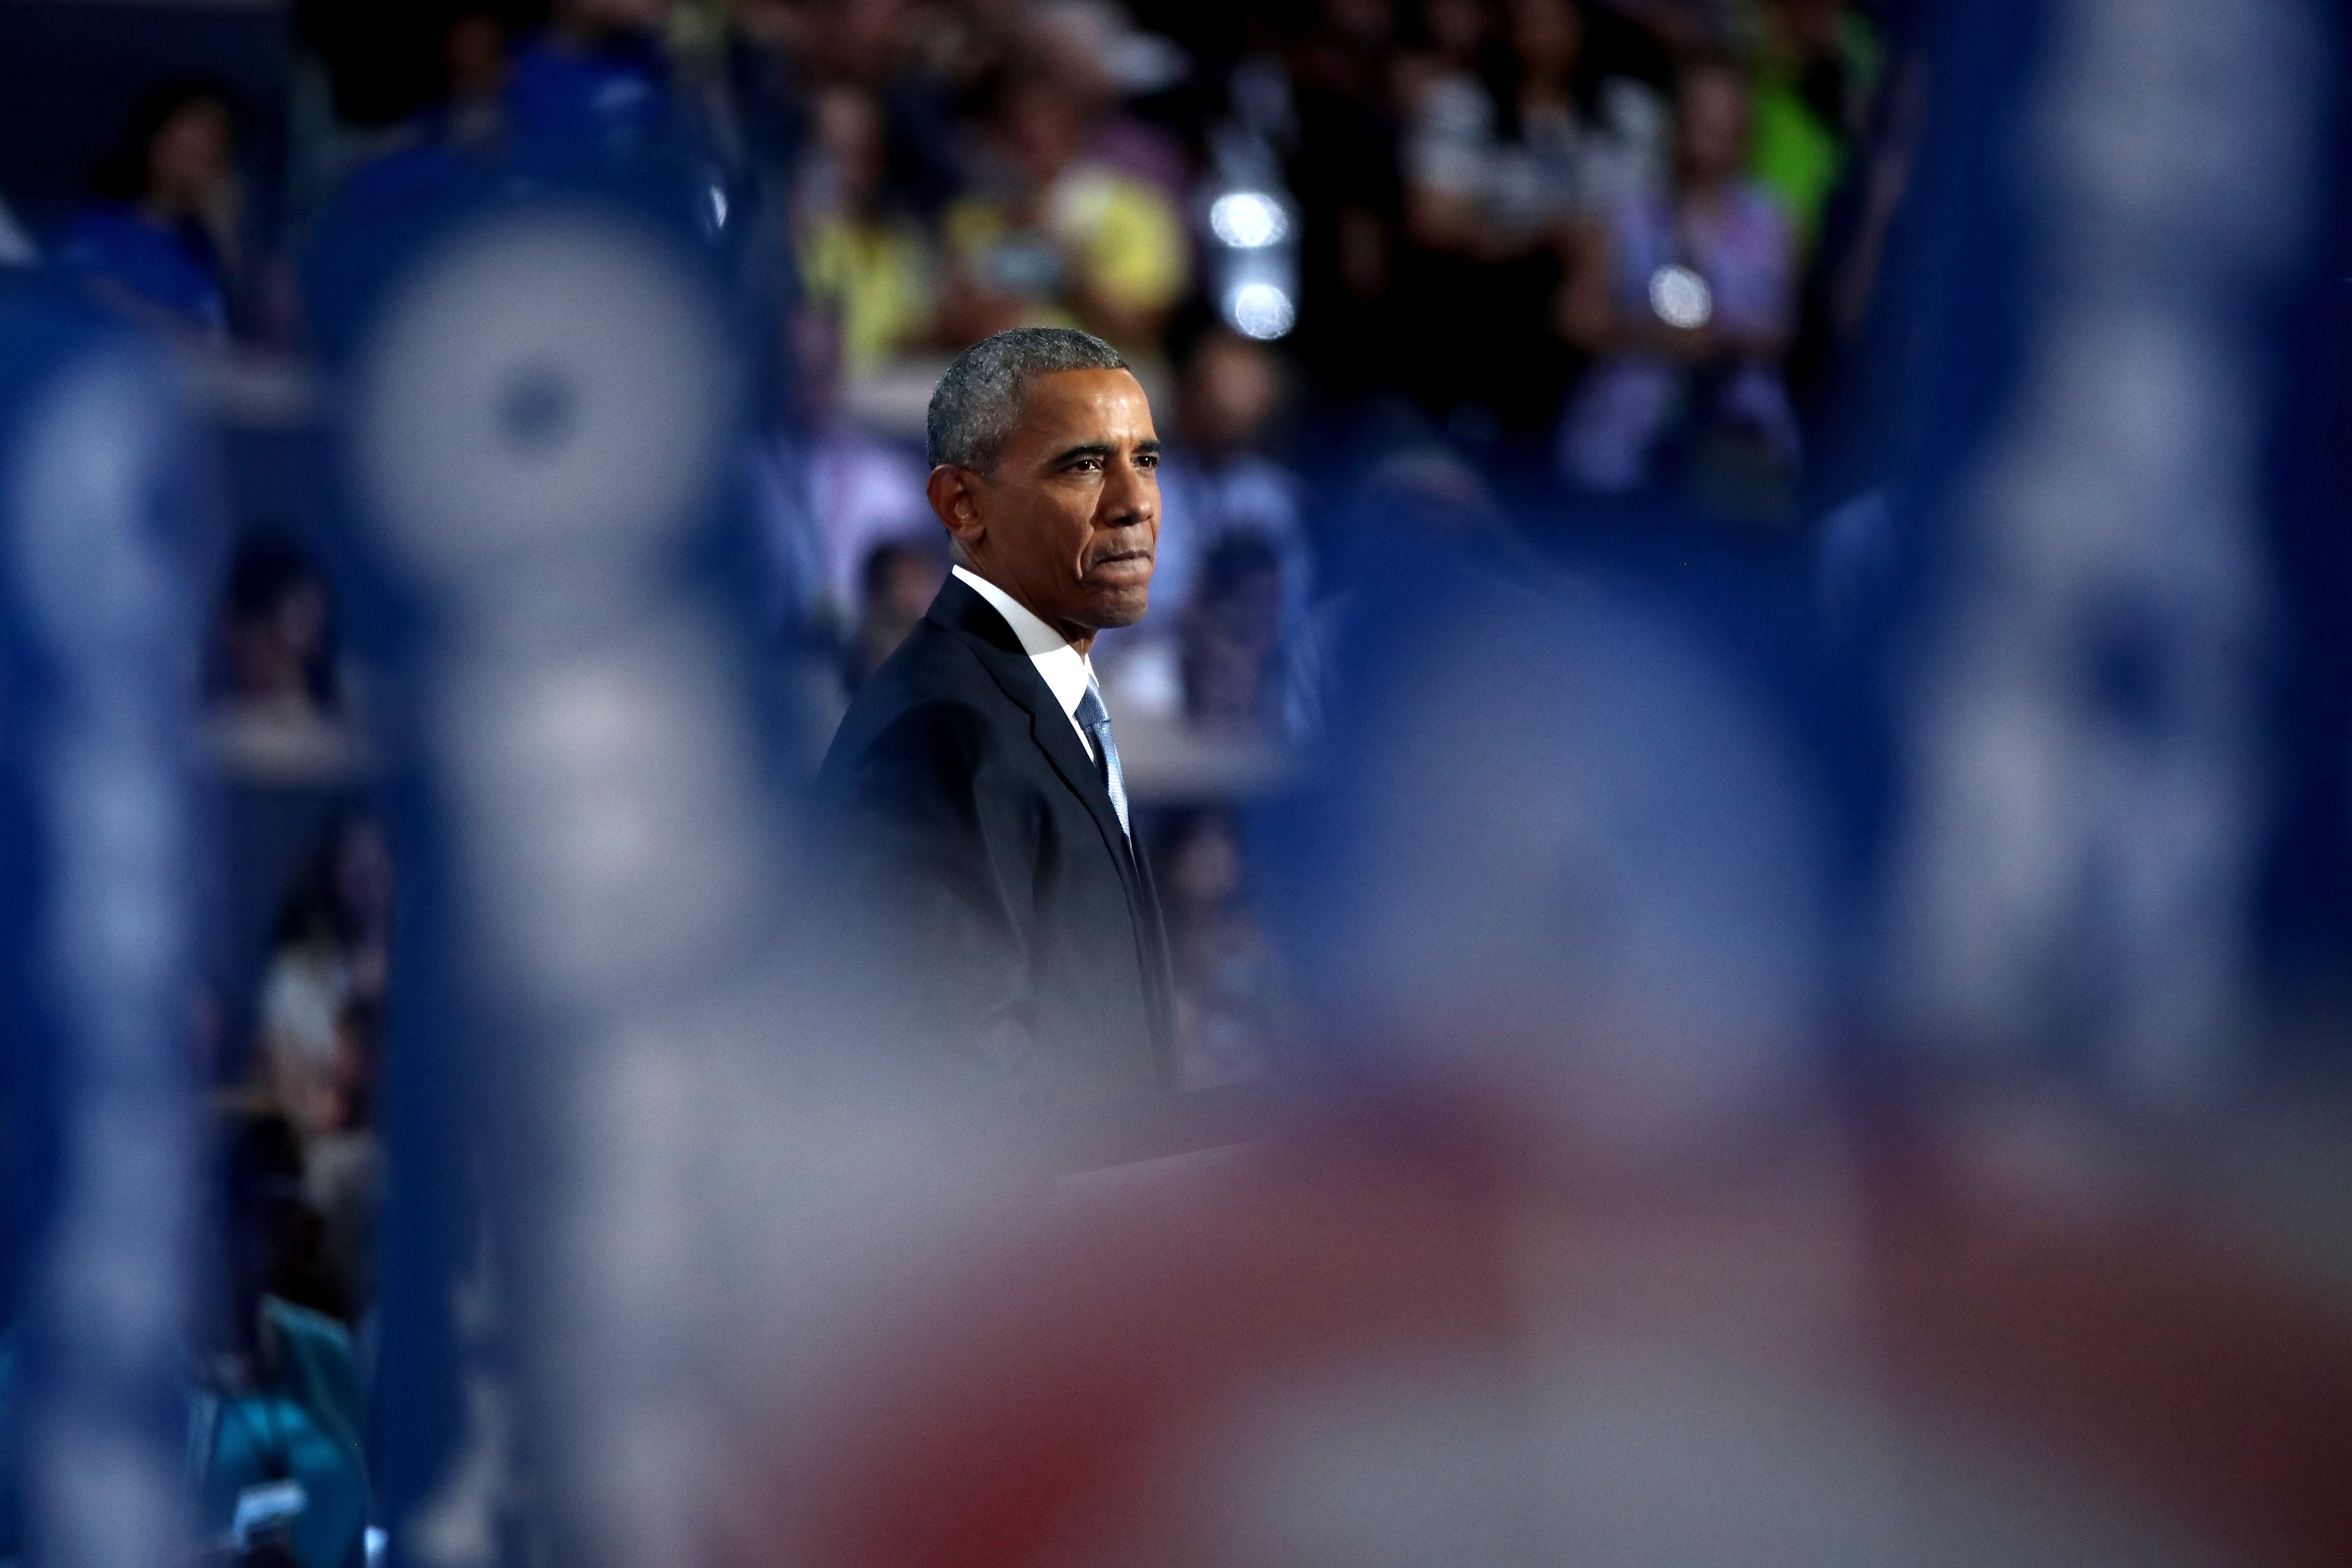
(1127, 497)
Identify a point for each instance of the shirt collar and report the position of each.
(1066, 670)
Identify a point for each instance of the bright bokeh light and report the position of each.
(1681, 298)
(1260, 309)
(1248, 220)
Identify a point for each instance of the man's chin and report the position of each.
(1120, 609)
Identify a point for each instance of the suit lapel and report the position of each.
(961, 611)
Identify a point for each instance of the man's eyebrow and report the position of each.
(1147, 448)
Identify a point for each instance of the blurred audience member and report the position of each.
(274, 1236)
(1451, 38)
(1817, 73)
(851, 41)
(962, 44)
(826, 493)
(328, 1101)
(1216, 478)
(275, 658)
(1091, 50)
(1053, 238)
(1232, 632)
(433, 80)
(343, 1170)
(1502, 157)
(357, 1067)
(278, 1396)
(592, 86)
(163, 244)
(334, 947)
(1681, 27)
(282, 711)
(474, 55)
(1687, 298)
(1496, 164)
(1328, 107)
(864, 258)
(915, 63)
(1232, 1011)
(409, 140)
(899, 581)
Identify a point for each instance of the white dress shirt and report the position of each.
(1065, 669)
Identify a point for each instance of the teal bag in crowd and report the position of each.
(284, 1459)
(272, 1466)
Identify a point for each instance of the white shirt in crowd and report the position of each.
(1065, 669)
(1554, 170)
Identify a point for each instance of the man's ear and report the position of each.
(955, 498)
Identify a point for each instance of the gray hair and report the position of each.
(977, 402)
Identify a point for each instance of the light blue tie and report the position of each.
(1094, 719)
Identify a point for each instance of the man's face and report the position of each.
(1067, 521)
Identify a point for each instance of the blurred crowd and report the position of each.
(1448, 251)
(1600, 248)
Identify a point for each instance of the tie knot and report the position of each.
(1090, 710)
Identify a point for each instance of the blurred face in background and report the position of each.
(1710, 126)
(812, 365)
(1366, 23)
(848, 123)
(1067, 519)
(1545, 37)
(603, 18)
(1071, 43)
(271, 649)
(190, 159)
(854, 40)
(1040, 130)
(1205, 871)
(1812, 25)
(363, 874)
(1231, 632)
(1456, 28)
(474, 55)
(1230, 392)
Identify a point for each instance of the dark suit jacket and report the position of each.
(1003, 924)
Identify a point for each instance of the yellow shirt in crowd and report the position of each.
(1128, 236)
(876, 276)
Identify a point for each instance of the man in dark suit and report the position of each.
(972, 805)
